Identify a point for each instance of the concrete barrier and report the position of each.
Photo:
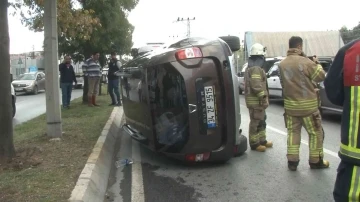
(93, 180)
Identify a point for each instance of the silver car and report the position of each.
(31, 82)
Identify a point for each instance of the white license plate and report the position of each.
(210, 106)
(18, 89)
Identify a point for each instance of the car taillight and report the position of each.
(197, 157)
(187, 53)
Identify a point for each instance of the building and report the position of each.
(319, 43)
(21, 63)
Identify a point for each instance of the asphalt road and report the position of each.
(251, 177)
(30, 106)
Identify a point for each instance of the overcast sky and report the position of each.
(154, 19)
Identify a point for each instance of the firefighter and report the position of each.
(342, 87)
(256, 96)
(297, 75)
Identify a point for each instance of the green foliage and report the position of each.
(85, 26)
(350, 34)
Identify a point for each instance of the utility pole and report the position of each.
(53, 112)
(188, 24)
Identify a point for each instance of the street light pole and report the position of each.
(188, 24)
(53, 112)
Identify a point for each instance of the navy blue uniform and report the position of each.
(342, 86)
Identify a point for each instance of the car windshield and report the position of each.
(26, 77)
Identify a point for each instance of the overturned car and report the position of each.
(182, 100)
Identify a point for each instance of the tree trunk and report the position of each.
(7, 150)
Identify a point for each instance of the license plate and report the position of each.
(18, 89)
(210, 106)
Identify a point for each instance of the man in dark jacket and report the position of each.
(113, 80)
(342, 87)
(67, 77)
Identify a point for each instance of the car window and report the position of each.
(274, 70)
(26, 77)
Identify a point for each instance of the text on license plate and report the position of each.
(210, 106)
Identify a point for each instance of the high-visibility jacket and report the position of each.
(342, 87)
(256, 93)
(297, 76)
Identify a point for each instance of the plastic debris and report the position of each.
(123, 162)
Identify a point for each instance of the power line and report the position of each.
(188, 24)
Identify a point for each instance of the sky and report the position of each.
(155, 20)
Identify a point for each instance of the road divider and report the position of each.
(93, 180)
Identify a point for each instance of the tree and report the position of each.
(96, 25)
(350, 34)
(7, 150)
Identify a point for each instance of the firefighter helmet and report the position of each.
(258, 49)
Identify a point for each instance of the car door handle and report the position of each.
(274, 79)
(192, 108)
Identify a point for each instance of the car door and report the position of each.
(275, 89)
(135, 100)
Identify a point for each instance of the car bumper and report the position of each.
(23, 89)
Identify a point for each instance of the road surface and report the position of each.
(31, 106)
(252, 177)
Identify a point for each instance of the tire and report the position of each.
(242, 147)
(232, 41)
(13, 107)
(36, 90)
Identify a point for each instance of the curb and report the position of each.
(93, 180)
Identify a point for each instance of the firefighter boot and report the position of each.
(259, 148)
(320, 165)
(90, 101)
(94, 101)
(292, 165)
(267, 144)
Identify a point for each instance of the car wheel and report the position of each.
(36, 90)
(232, 41)
(13, 107)
(242, 147)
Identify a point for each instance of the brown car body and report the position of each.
(160, 91)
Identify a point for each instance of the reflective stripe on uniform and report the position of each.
(354, 116)
(252, 100)
(260, 94)
(315, 151)
(291, 148)
(350, 151)
(354, 193)
(301, 104)
(255, 76)
(316, 72)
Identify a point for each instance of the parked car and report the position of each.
(268, 64)
(325, 102)
(182, 100)
(31, 82)
(275, 88)
(13, 100)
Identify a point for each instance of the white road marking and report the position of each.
(334, 154)
(137, 184)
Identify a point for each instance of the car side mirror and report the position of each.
(268, 75)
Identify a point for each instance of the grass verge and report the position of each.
(48, 170)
